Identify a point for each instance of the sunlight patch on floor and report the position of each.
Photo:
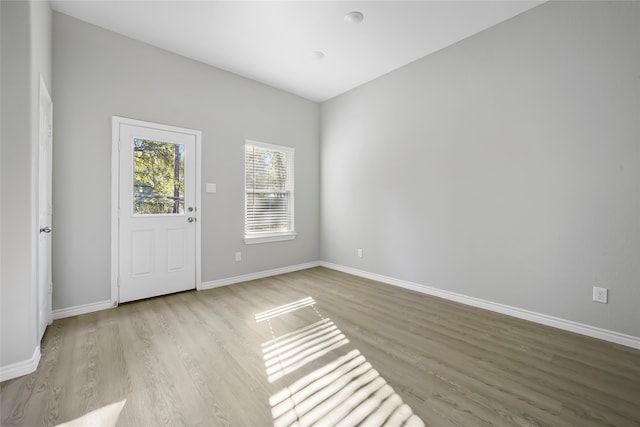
(284, 309)
(346, 391)
(107, 416)
(301, 347)
(291, 336)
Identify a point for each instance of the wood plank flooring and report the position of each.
(320, 346)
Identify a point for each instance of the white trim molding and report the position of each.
(258, 275)
(268, 237)
(567, 325)
(23, 367)
(83, 309)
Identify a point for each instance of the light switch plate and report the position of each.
(211, 188)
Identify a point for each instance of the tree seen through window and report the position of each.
(158, 177)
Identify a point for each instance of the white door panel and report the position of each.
(176, 256)
(141, 252)
(157, 207)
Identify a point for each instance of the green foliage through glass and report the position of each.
(158, 186)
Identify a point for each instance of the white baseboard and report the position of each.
(82, 309)
(23, 367)
(258, 275)
(104, 305)
(567, 325)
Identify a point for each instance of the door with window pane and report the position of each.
(157, 239)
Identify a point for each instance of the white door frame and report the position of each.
(116, 122)
(44, 100)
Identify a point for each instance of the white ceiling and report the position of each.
(272, 41)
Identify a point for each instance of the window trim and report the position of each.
(253, 239)
(267, 237)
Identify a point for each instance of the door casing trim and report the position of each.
(44, 95)
(116, 122)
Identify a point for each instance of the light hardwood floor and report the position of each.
(338, 346)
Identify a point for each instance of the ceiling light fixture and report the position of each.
(354, 17)
(317, 55)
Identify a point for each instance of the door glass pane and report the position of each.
(158, 179)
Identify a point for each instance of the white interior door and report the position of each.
(45, 208)
(157, 211)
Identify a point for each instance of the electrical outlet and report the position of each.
(600, 294)
(238, 256)
(360, 252)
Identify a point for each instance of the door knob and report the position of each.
(190, 219)
(45, 230)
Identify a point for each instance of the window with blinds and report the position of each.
(268, 192)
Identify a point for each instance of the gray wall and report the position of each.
(26, 53)
(99, 74)
(505, 167)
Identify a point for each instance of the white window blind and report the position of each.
(268, 191)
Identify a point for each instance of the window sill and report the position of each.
(267, 238)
